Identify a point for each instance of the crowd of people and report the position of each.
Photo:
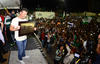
(73, 37)
(5, 33)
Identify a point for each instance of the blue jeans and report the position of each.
(21, 48)
(43, 43)
(49, 47)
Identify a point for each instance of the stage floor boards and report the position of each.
(36, 57)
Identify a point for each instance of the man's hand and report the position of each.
(17, 28)
(14, 28)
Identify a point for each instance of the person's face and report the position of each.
(77, 40)
(61, 48)
(13, 12)
(23, 14)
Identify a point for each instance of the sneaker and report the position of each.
(26, 57)
(22, 62)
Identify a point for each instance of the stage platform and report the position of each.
(36, 57)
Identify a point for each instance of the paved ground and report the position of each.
(33, 49)
(36, 57)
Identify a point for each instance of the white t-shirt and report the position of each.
(15, 23)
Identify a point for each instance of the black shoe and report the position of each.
(3, 60)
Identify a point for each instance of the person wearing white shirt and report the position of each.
(21, 41)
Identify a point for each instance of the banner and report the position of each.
(48, 15)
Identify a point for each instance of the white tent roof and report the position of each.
(10, 4)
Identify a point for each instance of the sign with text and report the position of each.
(26, 28)
(48, 15)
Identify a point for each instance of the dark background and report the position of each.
(68, 5)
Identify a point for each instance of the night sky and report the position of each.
(68, 5)
(48, 4)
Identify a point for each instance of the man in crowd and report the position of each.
(21, 41)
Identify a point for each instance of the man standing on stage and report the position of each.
(21, 41)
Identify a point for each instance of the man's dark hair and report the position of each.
(24, 9)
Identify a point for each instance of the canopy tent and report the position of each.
(10, 4)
